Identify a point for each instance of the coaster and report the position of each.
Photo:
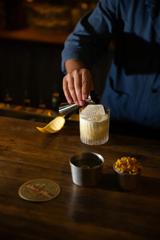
(39, 190)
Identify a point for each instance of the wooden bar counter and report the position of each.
(81, 213)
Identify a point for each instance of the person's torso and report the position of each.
(133, 85)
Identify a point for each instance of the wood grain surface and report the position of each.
(81, 213)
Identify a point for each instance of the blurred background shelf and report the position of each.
(30, 34)
(27, 113)
(30, 113)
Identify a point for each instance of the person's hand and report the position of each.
(77, 86)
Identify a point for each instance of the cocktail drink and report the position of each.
(94, 124)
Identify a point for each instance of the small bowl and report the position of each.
(127, 182)
(86, 168)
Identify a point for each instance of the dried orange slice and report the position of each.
(53, 126)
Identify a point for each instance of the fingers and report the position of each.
(66, 90)
(69, 88)
(77, 86)
(86, 84)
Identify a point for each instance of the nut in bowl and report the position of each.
(128, 170)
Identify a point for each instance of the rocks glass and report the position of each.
(94, 124)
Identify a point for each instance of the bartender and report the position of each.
(132, 83)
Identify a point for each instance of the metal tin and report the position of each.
(86, 168)
(127, 182)
(70, 108)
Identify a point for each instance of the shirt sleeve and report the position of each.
(91, 34)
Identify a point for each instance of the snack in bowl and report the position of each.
(127, 165)
(128, 170)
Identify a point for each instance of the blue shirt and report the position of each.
(132, 85)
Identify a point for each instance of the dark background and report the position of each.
(30, 71)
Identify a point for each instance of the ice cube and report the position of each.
(93, 112)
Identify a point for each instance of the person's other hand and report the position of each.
(77, 86)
